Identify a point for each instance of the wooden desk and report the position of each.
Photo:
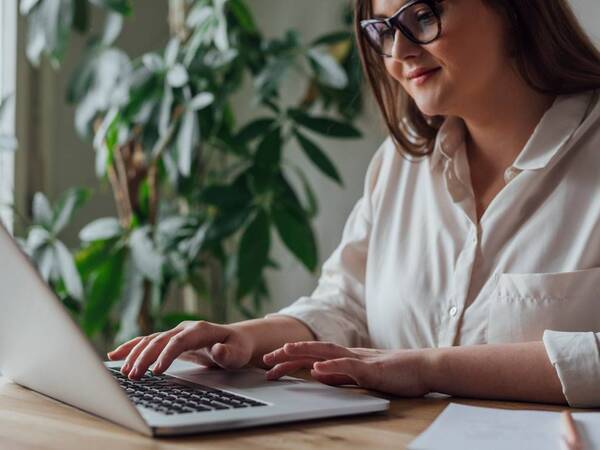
(29, 420)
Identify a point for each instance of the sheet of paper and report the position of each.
(461, 427)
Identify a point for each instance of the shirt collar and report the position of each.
(449, 137)
(552, 132)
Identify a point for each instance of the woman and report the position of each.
(471, 264)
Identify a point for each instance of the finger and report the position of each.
(149, 354)
(332, 379)
(231, 354)
(133, 354)
(199, 335)
(312, 349)
(123, 350)
(280, 356)
(224, 356)
(317, 349)
(288, 367)
(351, 367)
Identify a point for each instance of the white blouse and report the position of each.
(415, 269)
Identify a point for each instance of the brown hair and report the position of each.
(552, 52)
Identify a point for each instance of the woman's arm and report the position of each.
(495, 371)
(520, 372)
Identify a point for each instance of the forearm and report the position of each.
(272, 333)
(519, 372)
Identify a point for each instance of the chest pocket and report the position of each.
(523, 305)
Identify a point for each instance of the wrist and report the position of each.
(432, 369)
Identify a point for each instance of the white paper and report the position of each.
(461, 427)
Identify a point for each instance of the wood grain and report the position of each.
(29, 420)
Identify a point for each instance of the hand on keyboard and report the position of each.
(207, 343)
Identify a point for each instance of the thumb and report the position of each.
(227, 356)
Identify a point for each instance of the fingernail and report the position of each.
(125, 367)
(133, 372)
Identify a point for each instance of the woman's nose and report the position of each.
(403, 47)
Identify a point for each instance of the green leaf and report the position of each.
(227, 223)
(254, 129)
(101, 229)
(131, 300)
(103, 292)
(82, 77)
(226, 196)
(68, 271)
(94, 255)
(42, 212)
(187, 139)
(253, 253)
(332, 38)
(220, 38)
(267, 81)
(121, 6)
(327, 69)
(318, 157)
(81, 15)
(147, 258)
(268, 153)
(201, 101)
(324, 125)
(45, 259)
(242, 14)
(48, 29)
(296, 233)
(177, 76)
(36, 237)
(312, 207)
(113, 24)
(67, 204)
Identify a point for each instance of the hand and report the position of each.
(202, 342)
(398, 372)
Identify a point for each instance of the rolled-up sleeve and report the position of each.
(335, 311)
(576, 358)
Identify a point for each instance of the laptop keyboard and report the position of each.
(169, 395)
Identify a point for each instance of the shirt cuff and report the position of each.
(576, 358)
(326, 327)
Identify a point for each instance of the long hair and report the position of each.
(553, 54)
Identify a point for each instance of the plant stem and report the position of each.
(118, 195)
(217, 291)
(145, 321)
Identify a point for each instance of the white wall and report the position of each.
(588, 12)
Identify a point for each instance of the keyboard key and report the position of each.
(167, 395)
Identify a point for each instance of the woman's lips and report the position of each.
(424, 77)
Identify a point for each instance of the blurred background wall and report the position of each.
(52, 157)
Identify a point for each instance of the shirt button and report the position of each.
(453, 311)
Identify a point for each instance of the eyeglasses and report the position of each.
(418, 20)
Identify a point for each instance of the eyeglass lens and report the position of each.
(418, 20)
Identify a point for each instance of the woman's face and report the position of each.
(471, 54)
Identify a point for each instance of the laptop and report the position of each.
(43, 349)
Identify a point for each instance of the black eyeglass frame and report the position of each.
(393, 22)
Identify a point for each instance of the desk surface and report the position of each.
(29, 420)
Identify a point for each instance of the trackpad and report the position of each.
(238, 379)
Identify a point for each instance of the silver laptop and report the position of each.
(42, 349)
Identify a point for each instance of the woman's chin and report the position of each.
(431, 103)
(430, 109)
